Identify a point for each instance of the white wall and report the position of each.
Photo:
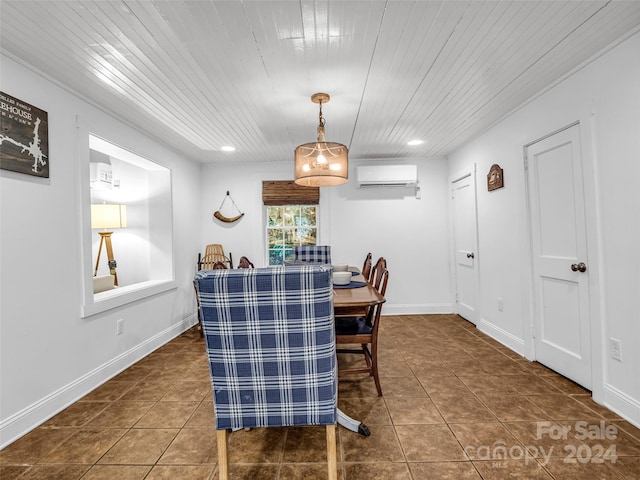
(412, 234)
(605, 97)
(49, 355)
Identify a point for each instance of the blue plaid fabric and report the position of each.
(312, 253)
(271, 345)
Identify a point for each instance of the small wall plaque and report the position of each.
(495, 177)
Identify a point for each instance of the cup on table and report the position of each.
(340, 267)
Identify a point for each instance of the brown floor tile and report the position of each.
(134, 373)
(381, 446)
(34, 445)
(192, 446)
(394, 368)
(188, 391)
(482, 440)
(413, 410)
(446, 386)
(11, 472)
(120, 472)
(306, 445)
(545, 439)
(401, 387)
(258, 445)
(109, 391)
(562, 469)
(149, 391)
(425, 369)
(627, 427)
(139, 447)
(626, 445)
(368, 410)
(462, 409)
(167, 415)
(489, 384)
(429, 443)
(120, 414)
(252, 472)
(506, 469)
(77, 414)
(444, 471)
(502, 365)
(182, 472)
(565, 385)
(375, 471)
(356, 386)
(509, 408)
(55, 472)
(629, 467)
(203, 416)
(562, 407)
(85, 446)
(311, 471)
(601, 410)
(531, 385)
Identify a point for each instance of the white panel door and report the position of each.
(560, 264)
(465, 239)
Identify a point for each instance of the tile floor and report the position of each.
(457, 405)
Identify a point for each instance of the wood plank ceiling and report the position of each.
(202, 74)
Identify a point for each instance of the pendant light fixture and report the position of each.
(321, 163)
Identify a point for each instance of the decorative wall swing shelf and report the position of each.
(221, 217)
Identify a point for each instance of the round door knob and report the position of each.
(579, 267)
(471, 255)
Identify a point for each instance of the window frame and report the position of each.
(269, 228)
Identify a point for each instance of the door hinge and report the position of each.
(526, 162)
(533, 331)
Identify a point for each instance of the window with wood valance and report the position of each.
(286, 192)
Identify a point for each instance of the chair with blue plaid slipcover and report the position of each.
(270, 342)
(312, 254)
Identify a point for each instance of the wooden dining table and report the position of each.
(351, 301)
(355, 301)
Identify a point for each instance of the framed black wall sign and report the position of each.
(24, 137)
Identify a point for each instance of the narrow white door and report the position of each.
(560, 264)
(465, 239)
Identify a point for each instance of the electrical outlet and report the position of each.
(500, 304)
(120, 326)
(616, 349)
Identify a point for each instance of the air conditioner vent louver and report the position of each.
(387, 175)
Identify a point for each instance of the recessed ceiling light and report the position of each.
(228, 148)
(415, 142)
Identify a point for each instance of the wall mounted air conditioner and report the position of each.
(100, 176)
(387, 175)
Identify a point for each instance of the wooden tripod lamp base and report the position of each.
(105, 238)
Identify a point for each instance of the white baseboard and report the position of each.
(622, 404)
(39, 412)
(416, 309)
(507, 339)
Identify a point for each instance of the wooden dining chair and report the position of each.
(214, 253)
(270, 342)
(366, 267)
(245, 263)
(363, 330)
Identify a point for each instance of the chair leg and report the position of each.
(332, 455)
(223, 455)
(374, 366)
